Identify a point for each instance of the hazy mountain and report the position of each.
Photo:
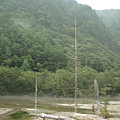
(111, 18)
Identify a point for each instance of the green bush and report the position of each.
(105, 112)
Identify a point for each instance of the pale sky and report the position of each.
(101, 4)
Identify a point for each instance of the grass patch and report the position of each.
(19, 115)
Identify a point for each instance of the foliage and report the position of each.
(25, 66)
(105, 112)
(18, 82)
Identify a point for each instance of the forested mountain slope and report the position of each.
(38, 35)
(34, 30)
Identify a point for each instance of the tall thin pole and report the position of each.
(36, 94)
(75, 68)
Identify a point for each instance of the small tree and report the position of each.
(104, 111)
(25, 66)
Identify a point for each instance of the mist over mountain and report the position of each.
(111, 18)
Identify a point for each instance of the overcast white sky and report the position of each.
(101, 4)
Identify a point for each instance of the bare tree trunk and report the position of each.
(45, 116)
(97, 107)
(76, 88)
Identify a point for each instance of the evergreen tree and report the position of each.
(25, 66)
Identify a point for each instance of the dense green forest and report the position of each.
(37, 39)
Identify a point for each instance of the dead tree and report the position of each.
(45, 116)
(97, 107)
